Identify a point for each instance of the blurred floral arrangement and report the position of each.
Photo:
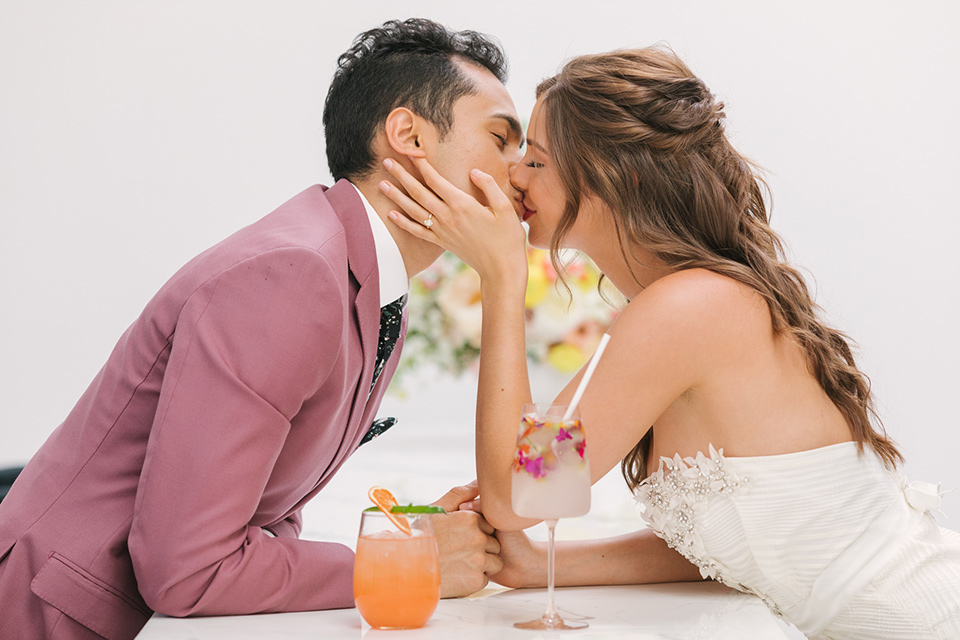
(563, 327)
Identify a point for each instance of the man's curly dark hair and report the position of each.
(408, 64)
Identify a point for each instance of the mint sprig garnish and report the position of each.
(411, 508)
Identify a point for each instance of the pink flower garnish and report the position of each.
(535, 467)
(581, 448)
(564, 435)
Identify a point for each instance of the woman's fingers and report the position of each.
(471, 505)
(413, 209)
(440, 185)
(421, 194)
(499, 202)
(455, 220)
(413, 228)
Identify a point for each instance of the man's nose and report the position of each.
(517, 157)
(517, 177)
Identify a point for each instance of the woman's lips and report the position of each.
(522, 209)
(527, 212)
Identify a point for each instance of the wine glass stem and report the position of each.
(551, 613)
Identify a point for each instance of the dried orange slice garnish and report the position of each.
(385, 502)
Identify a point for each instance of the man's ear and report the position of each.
(404, 131)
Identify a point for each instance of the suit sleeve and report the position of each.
(289, 527)
(249, 347)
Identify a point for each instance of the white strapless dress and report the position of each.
(830, 540)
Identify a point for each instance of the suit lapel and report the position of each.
(361, 251)
(362, 258)
(362, 262)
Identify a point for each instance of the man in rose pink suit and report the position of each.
(176, 483)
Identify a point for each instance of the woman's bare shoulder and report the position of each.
(698, 314)
(703, 296)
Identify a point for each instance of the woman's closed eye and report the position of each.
(533, 164)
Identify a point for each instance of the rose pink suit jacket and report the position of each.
(231, 401)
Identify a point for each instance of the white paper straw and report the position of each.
(586, 376)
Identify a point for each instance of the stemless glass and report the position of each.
(551, 480)
(396, 576)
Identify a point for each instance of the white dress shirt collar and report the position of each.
(393, 273)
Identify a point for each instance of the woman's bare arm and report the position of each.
(639, 557)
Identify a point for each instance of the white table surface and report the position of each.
(642, 612)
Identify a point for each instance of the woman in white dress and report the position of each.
(740, 420)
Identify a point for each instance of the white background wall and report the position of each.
(133, 135)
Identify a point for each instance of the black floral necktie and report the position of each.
(391, 316)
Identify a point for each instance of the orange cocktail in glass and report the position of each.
(396, 575)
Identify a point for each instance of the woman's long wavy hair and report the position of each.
(637, 129)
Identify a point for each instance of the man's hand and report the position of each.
(468, 549)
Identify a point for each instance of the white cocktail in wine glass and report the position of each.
(551, 480)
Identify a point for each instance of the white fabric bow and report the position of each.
(923, 496)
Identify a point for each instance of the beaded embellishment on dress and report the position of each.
(673, 496)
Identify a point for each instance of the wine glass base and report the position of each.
(551, 624)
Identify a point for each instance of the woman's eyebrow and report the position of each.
(536, 145)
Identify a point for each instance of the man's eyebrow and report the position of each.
(513, 123)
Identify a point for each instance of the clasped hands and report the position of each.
(472, 552)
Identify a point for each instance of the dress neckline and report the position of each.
(792, 454)
(839, 449)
